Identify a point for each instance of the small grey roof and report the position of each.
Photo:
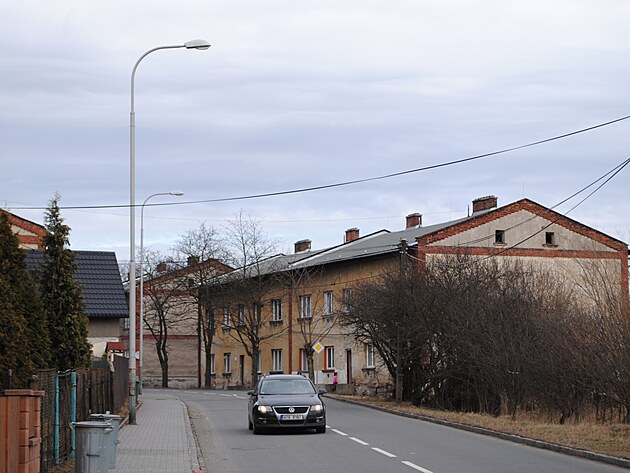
(97, 272)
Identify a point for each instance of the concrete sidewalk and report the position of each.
(162, 440)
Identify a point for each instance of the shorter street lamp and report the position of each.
(177, 194)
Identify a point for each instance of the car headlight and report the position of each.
(317, 408)
(264, 409)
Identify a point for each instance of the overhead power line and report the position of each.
(350, 182)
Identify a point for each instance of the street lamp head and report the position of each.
(177, 193)
(197, 44)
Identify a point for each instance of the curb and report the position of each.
(599, 457)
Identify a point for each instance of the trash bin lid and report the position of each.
(92, 424)
(105, 416)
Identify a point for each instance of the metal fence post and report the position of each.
(56, 419)
(73, 406)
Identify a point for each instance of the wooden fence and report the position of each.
(65, 398)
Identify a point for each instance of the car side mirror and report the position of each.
(322, 391)
(251, 393)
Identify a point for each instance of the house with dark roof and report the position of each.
(103, 294)
(298, 315)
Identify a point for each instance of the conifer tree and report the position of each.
(24, 342)
(63, 295)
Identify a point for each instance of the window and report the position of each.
(276, 310)
(241, 315)
(328, 303)
(347, 298)
(329, 358)
(227, 322)
(305, 307)
(227, 363)
(303, 360)
(550, 238)
(212, 370)
(276, 360)
(369, 355)
(499, 237)
(257, 312)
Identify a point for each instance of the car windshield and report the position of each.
(286, 386)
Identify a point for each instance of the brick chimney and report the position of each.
(302, 245)
(484, 203)
(414, 220)
(193, 260)
(161, 268)
(352, 234)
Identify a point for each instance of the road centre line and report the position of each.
(340, 432)
(384, 452)
(359, 441)
(416, 467)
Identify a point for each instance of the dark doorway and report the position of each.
(242, 366)
(349, 367)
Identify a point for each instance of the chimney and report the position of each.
(193, 260)
(414, 220)
(302, 245)
(161, 268)
(484, 203)
(352, 234)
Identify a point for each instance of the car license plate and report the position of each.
(291, 417)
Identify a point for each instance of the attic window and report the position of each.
(550, 239)
(499, 237)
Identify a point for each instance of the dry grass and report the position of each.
(65, 468)
(607, 439)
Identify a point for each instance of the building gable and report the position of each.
(30, 234)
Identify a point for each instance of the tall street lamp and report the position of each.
(177, 194)
(195, 44)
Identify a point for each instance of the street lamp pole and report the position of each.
(195, 44)
(177, 194)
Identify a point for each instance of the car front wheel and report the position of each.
(320, 430)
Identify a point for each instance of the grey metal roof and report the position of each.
(97, 272)
(380, 242)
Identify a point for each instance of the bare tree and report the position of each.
(311, 328)
(245, 294)
(167, 303)
(203, 252)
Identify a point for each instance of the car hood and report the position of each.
(288, 400)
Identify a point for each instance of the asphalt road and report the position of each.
(360, 440)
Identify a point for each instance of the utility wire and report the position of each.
(350, 182)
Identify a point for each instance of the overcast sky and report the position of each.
(294, 94)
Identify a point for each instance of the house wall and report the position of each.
(588, 259)
(289, 337)
(104, 329)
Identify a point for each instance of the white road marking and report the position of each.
(416, 467)
(227, 395)
(339, 432)
(384, 452)
(240, 397)
(359, 441)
